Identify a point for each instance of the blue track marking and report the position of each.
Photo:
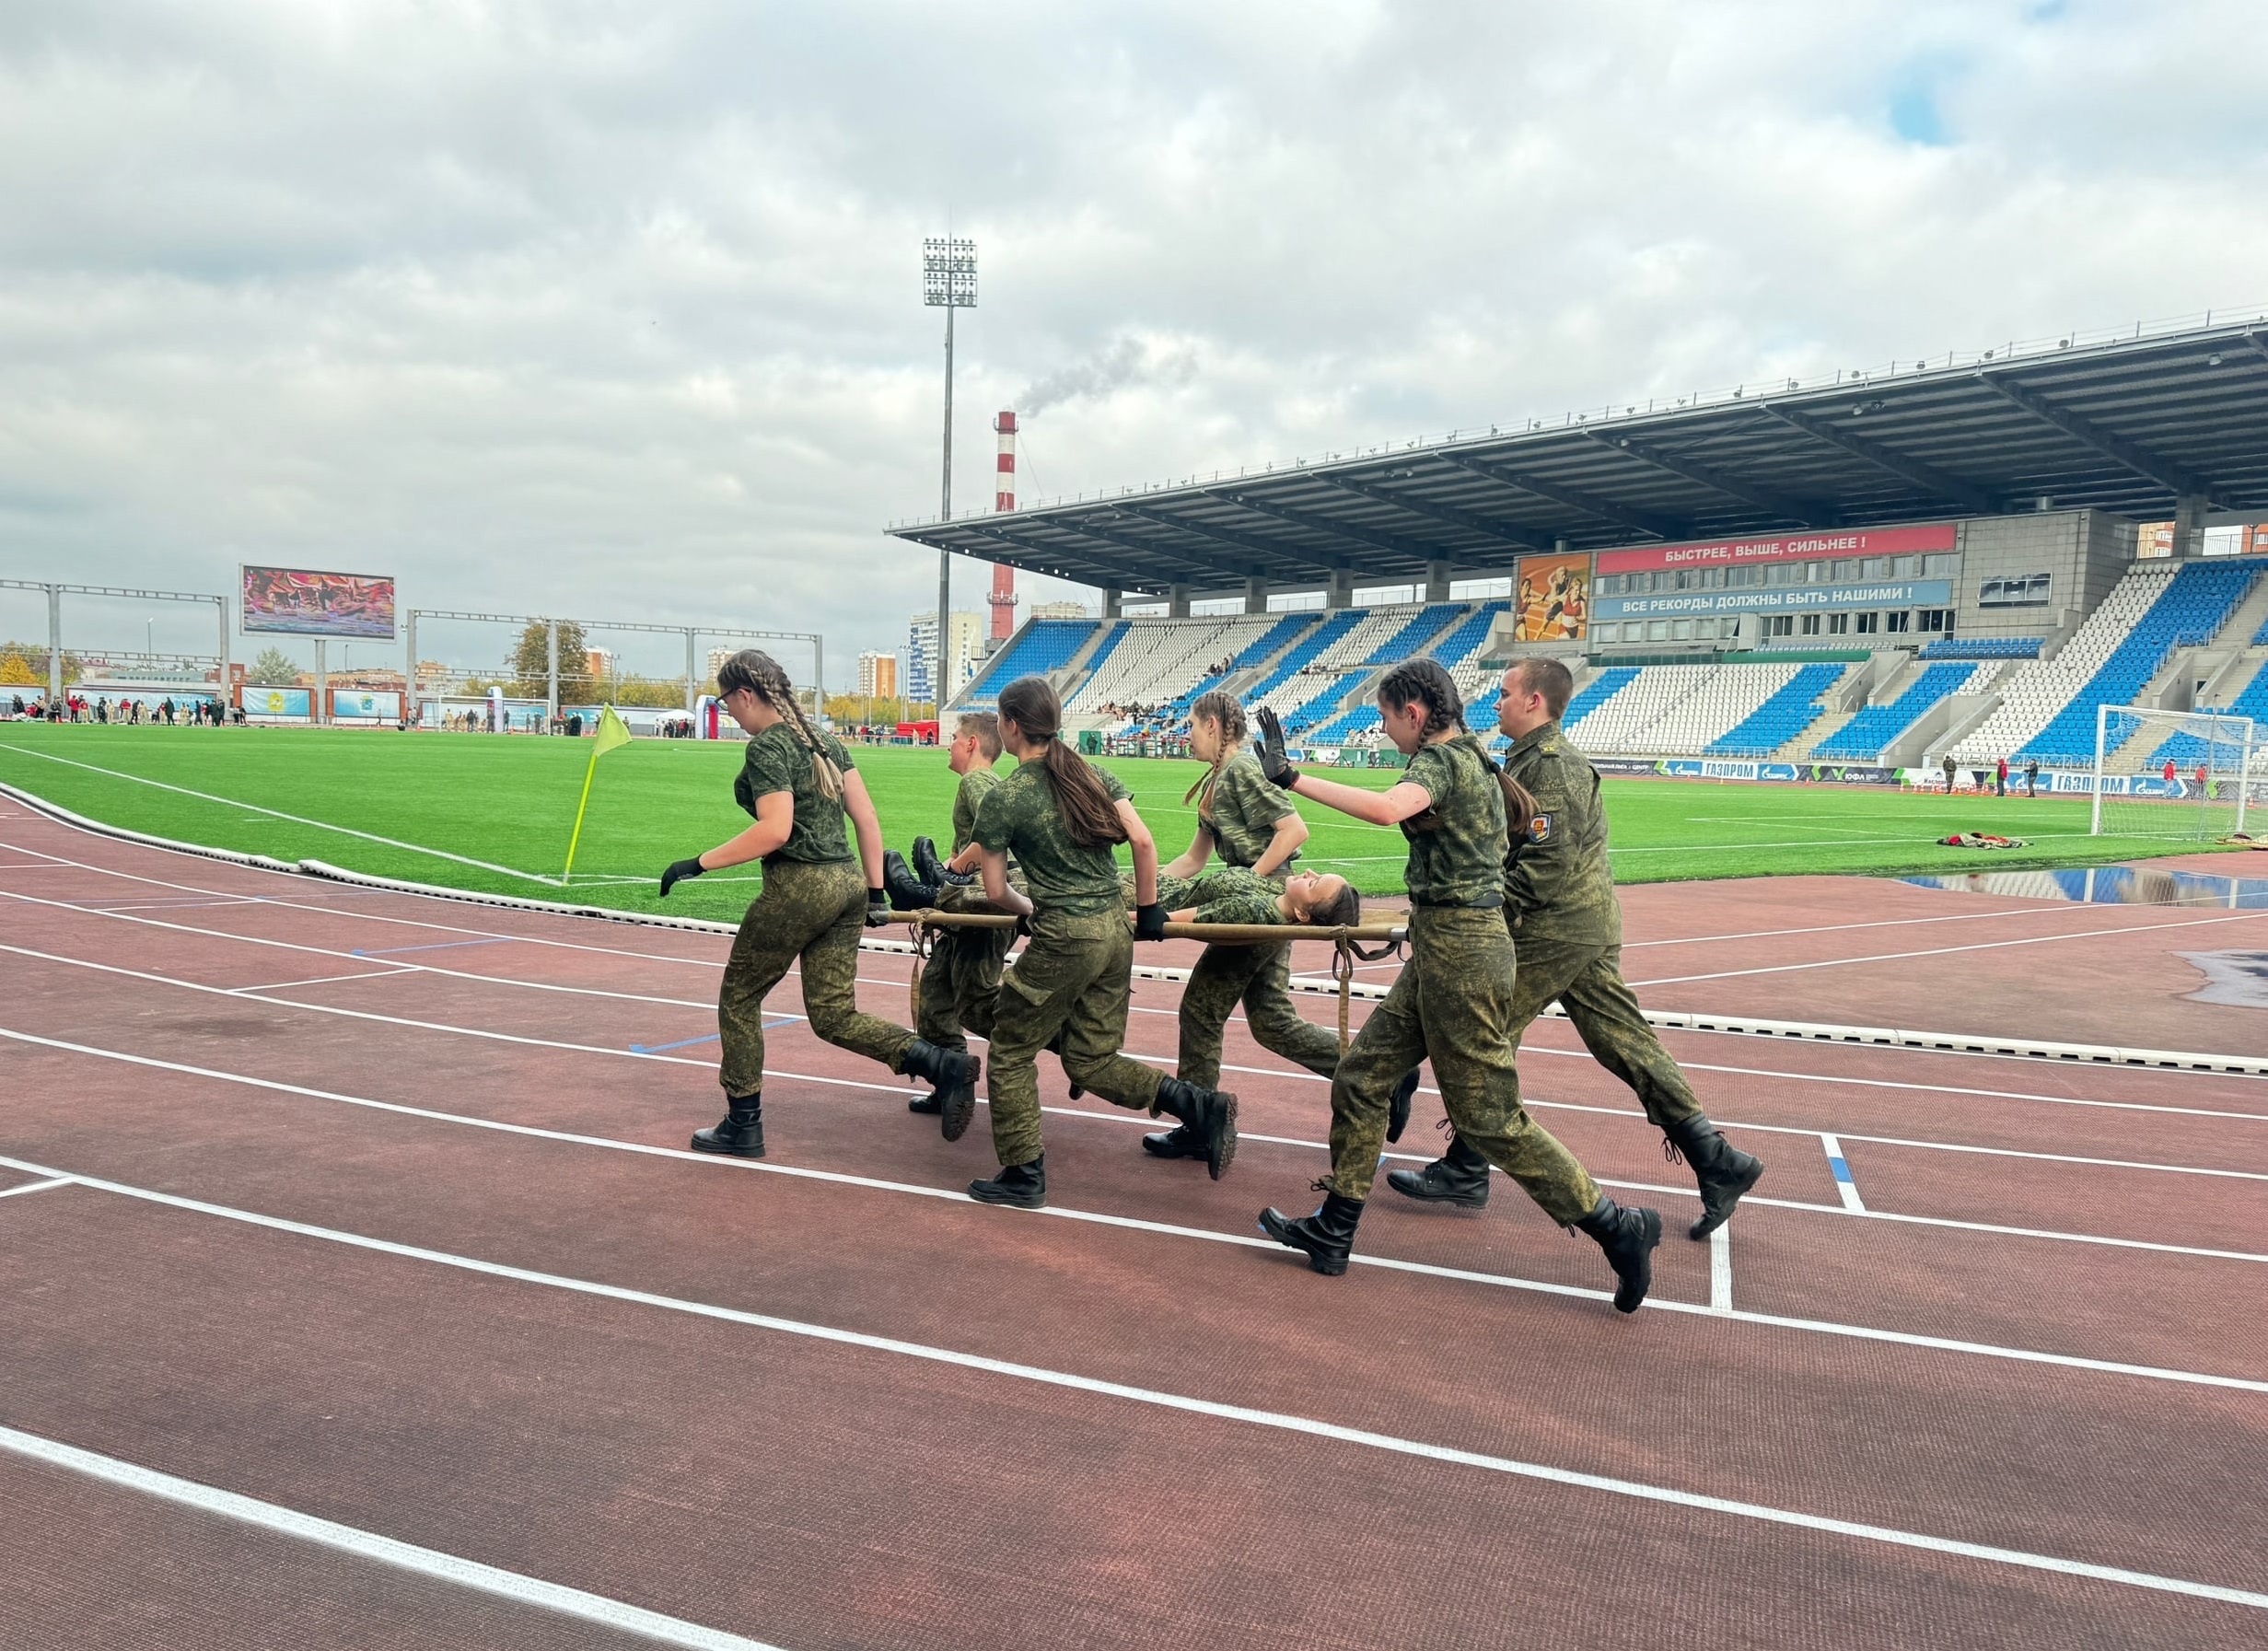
(654, 1049)
(1840, 1167)
(388, 951)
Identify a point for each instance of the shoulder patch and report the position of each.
(1539, 829)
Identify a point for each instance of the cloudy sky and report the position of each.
(614, 309)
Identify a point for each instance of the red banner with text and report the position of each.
(1784, 547)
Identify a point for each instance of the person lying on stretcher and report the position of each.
(1232, 894)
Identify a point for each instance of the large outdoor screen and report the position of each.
(303, 603)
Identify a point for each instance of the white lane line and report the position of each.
(1280, 1421)
(1134, 1224)
(320, 825)
(249, 995)
(1944, 952)
(1720, 1270)
(1845, 1187)
(321, 979)
(1836, 928)
(37, 1186)
(429, 1562)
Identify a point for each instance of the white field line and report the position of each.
(253, 995)
(2066, 908)
(37, 1186)
(1130, 1223)
(1942, 951)
(1248, 1415)
(320, 825)
(379, 1549)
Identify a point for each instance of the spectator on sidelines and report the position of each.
(2173, 779)
(2031, 776)
(2000, 776)
(1948, 774)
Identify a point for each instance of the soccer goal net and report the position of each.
(2197, 774)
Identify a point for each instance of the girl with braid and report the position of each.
(1453, 1002)
(1251, 824)
(799, 785)
(1060, 817)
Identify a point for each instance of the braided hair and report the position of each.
(1426, 681)
(1222, 709)
(759, 673)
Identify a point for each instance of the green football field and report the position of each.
(494, 813)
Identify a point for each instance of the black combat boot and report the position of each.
(741, 1134)
(1180, 1142)
(1459, 1176)
(1209, 1113)
(1723, 1172)
(1327, 1236)
(907, 892)
(1020, 1186)
(1397, 1113)
(1628, 1236)
(954, 1072)
(929, 866)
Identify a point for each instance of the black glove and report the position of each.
(1150, 921)
(1023, 925)
(679, 871)
(1273, 761)
(878, 907)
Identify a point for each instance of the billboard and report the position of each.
(276, 702)
(359, 704)
(303, 603)
(1552, 598)
(1781, 599)
(1784, 547)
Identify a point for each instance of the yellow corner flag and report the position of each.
(611, 733)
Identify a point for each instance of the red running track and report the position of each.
(418, 1252)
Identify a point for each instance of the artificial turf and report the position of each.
(494, 813)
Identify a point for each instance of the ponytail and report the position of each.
(1089, 812)
(759, 673)
(1224, 710)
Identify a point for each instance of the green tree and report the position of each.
(650, 692)
(532, 660)
(275, 668)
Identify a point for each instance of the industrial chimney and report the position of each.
(1003, 598)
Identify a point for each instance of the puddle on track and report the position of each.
(2109, 886)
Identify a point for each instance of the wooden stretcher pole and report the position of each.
(1215, 933)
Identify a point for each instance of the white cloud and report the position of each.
(613, 309)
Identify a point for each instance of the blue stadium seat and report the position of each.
(1780, 718)
(1467, 637)
(1863, 737)
(1320, 705)
(1275, 636)
(2197, 601)
(2186, 750)
(1981, 648)
(1046, 644)
(1337, 625)
(1411, 639)
(1590, 696)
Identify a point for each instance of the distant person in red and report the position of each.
(2000, 776)
(2173, 779)
(2201, 779)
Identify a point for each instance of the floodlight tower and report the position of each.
(948, 283)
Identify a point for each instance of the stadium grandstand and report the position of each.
(1963, 556)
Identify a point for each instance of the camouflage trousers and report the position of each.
(1453, 1005)
(960, 984)
(1588, 981)
(813, 914)
(1075, 977)
(1259, 978)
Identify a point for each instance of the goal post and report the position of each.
(2198, 775)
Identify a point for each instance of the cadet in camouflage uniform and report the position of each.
(961, 979)
(799, 784)
(1559, 900)
(1251, 824)
(1060, 816)
(1453, 1002)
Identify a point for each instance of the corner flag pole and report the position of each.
(611, 733)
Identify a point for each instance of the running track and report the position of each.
(357, 1291)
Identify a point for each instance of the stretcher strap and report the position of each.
(1343, 970)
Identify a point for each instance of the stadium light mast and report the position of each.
(948, 283)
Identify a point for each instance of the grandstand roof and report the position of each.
(2123, 427)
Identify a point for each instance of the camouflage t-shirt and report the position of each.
(975, 786)
(1020, 818)
(1229, 895)
(777, 761)
(1457, 845)
(1241, 807)
(1556, 882)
